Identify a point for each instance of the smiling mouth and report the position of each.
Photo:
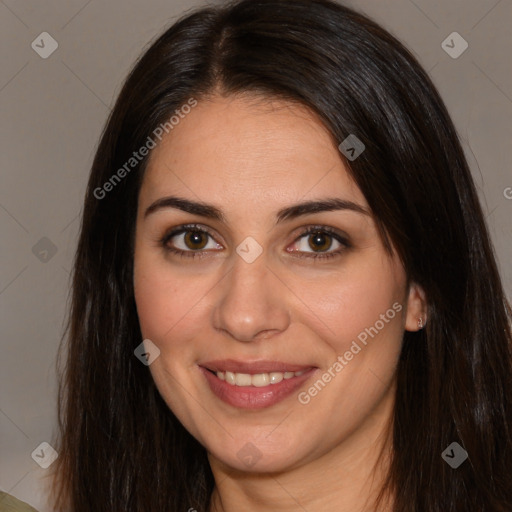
(258, 380)
(256, 390)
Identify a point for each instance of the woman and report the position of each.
(284, 294)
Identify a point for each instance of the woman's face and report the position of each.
(247, 296)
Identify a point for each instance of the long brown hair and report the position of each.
(121, 448)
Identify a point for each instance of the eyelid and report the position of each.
(315, 228)
(178, 230)
(338, 235)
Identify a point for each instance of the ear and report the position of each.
(416, 316)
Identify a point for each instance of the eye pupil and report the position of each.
(194, 238)
(320, 241)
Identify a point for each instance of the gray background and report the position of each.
(53, 111)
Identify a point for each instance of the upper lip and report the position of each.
(231, 365)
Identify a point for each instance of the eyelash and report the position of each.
(309, 231)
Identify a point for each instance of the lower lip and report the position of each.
(251, 397)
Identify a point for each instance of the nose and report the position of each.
(252, 302)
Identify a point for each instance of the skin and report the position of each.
(250, 157)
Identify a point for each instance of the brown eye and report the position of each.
(320, 241)
(195, 239)
(189, 241)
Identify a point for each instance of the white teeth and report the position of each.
(276, 377)
(258, 380)
(243, 379)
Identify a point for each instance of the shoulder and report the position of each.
(9, 503)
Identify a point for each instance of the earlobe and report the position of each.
(416, 316)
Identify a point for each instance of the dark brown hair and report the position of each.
(121, 448)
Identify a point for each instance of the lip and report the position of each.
(251, 397)
(231, 365)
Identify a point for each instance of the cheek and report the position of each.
(167, 303)
(362, 322)
(351, 303)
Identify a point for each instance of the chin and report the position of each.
(257, 457)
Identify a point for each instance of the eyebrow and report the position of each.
(290, 212)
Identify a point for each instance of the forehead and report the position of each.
(249, 149)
